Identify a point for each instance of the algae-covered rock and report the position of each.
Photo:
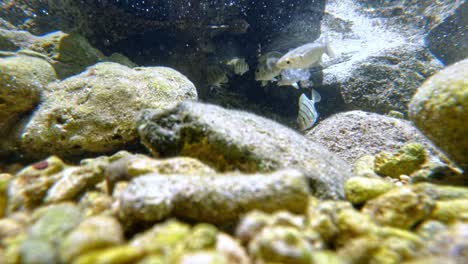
(73, 181)
(66, 123)
(95, 203)
(212, 199)
(112, 255)
(246, 142)
(38, 251)
(438, 109)
(450, 211)
(131, 166)
(55, 223)
(96, 232)
(354, 134)
(280, 245)
(358, 190)
(400, 207)
(5, 179)
(364, 167)
(31, 184)
(255, 221)
(406, 161)
(22, 79)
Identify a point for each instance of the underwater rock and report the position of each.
(65, 124)
(255, 221)
(450, 211)
(5, 180)
(354, 134)
(110, 255)
(213, 199)
(380, 67)
(130, 166)
(281, 245)
(30, 185)
(358, 190)
(446, 39)
(69, 54)
(438, 109)
(98, 232)
(230, 140)
(406, 161)
(400, 207)
(22, 80)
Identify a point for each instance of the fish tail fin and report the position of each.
(315, 96)
(326, 44)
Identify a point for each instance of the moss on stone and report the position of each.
(404, 162)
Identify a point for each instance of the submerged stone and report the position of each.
(64, 124)
(234, 140)
(358, 190)
(400, 207)
(212, 199)
(406, 161)
(438, 109)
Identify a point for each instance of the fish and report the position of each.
(238, 65)
(307, 115)
(216, 76)
(306, 56)
(266, 69)
(292, 77)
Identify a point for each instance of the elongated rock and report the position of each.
(235, 140)
(212, 198)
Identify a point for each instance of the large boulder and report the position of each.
(351, 135)
(382, 57)
(69, 54)
(95, 111)
(22, 79)
(448, 41)
(439, 110)
(236, 140)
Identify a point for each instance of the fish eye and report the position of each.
(288, 62)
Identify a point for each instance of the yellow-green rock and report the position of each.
(451, 210)
(113, 255)
(439, 110)
(406, 161)
(400, 207)
(22, 80)
(98, 232)
(364, 167)
(4, 182)
(281, 245)
(358, 190)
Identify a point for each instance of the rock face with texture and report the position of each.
(381, 55)
(22, 79)
(354, 134)
(213, 199)
(230, 140)
(439, 110)
(69, 54)
(96, 111)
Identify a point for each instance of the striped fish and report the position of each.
(307, 115)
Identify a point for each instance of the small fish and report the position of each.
(238, 65)
(306, 56)
(266, 70)
(216, 76)
(308, 115)
(292, 77)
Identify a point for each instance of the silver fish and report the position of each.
(308, 115)
(306, 56)
(292, 77)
